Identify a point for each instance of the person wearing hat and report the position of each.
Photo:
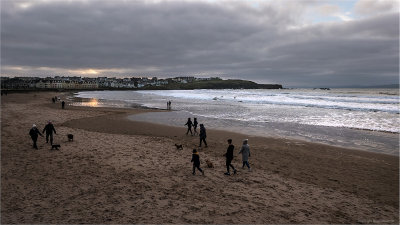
(34, 133)
(245, 150)
(49, 128)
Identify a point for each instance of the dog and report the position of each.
(70, 137)
(55, 146)
(179, 146)
(209, 164)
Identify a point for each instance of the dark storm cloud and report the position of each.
(167, 38)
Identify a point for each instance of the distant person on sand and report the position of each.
(53, 100)
(229, 157)
(189, 125)
(196, 162)
(169, 105)
(203, 135)
(49, 128)
(245, 150)
(62, 104)
(195, 126)
(34, 133)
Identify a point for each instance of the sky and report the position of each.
(313, 43)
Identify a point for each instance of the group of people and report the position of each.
(54, 99)
(49, 129)
(245, 151)
(169, 105)
(202, 134)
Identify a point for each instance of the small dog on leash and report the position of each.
(55, 146)
(209, 164)
(179, 146)
(70, 137)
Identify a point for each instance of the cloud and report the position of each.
(329, 9)
(373, 7)
(168, 38)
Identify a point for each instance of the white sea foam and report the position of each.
(370, 109)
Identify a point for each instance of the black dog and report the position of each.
(70, 137)
(55, 146)
(179, 147)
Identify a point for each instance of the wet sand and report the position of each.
(121, 171)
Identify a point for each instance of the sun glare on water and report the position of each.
(93, 102)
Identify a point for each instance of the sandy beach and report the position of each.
(125, 172)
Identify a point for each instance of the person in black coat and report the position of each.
(189, 125)
(229, 157)
(49, 128)
(62, 104)
(196, 162)
(195, 126)
(203, 135)
(34, 133)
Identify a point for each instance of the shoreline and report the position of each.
(120, 171)
(353, 138)
(136, 117)
(150, 110)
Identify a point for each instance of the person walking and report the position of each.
(203, 135)
(62, 104)
(229, 157)
(189, 125)
(195, 126)
(49, 128)
(245, 150)
(196, 162)
(34, 133)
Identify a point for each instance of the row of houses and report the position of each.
(75, 82)
(59, 84)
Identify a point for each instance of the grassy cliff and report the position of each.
(215, 84)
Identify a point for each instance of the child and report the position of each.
(196, 162)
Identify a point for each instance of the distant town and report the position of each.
(63, 82)
(83, 83)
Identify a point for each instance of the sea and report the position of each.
(364, 119)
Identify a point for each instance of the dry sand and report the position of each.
(120, 171)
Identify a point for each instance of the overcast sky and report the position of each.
(293, 43)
